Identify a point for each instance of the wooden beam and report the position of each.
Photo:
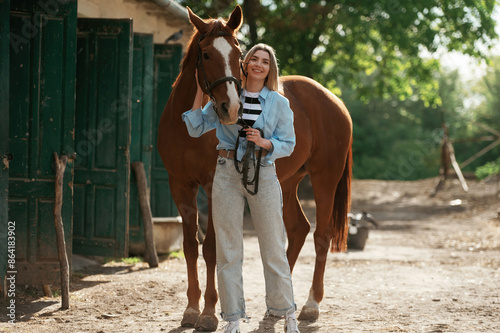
(480, 153)
(147, 217)
(46, 290)
(489, 129)
(445, 164)
(445, 157)
(457, 168)
(481, 138)
(60, 167)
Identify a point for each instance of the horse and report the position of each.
(323, 150)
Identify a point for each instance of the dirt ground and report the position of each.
(433, 265)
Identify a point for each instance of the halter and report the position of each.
(210, 86)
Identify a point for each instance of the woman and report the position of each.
(265, 109)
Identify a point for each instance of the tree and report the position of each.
(333, 41)
(485, 113)
(377, 55)
(401, 140)
(488, 112)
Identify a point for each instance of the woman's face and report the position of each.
(258, 65)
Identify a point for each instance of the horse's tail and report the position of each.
(341, 207)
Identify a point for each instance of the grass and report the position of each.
(127, 261)
(132, 260)
(176, 254)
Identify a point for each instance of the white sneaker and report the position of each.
(291, 325)
(232, 327)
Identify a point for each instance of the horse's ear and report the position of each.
(235, 19)
(196, 21)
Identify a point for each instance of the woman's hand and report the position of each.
(254, 136)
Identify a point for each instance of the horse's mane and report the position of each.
(191, 57)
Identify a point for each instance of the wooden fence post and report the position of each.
(60, 167)
(147, 217)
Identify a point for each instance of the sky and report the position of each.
(470, 69)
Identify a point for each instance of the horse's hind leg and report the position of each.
(185, 199)
(296, 223)
(208, 320)
(324, 186)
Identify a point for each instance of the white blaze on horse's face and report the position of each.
(225, 49)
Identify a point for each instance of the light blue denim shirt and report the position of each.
(276, 121)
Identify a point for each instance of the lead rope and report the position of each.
(249, 155)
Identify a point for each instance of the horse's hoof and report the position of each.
(190, 317)
(206, 323)
(309, 313)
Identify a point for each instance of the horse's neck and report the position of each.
(184, 93)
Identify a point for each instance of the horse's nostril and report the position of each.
(224, 108)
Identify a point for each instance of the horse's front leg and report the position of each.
(208, 320)
(185, 199)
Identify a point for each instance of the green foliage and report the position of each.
(488, 169)
(176, 254)
(371, 54)
(127, 261)
(488, 112)
(132, 260)
(394, 140)
(401, 140)
(480, 121)
(373, 46)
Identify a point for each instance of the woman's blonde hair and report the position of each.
(272, 80)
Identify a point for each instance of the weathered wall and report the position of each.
(147, 15)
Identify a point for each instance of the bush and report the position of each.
(488, 169)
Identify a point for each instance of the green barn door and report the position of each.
(4, 138)
(42, 115)
(102, 131)
(141, 131)
(167, 60)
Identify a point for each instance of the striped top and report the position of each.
(251, 108)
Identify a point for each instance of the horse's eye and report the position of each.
(206, 56)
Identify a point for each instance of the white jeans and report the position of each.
(228, 202)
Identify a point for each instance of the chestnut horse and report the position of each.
(323, 131)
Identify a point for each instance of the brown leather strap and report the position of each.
(227, 153)
(230, 153)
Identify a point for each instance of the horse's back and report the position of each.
(308, 95)
(323, 125)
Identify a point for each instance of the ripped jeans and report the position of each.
(228, 203)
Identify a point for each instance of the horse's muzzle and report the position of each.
(229, 114)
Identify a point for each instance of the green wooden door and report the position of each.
(102, 131)
(4, 137)
(167, 59)
(42, 111)
(141, 144)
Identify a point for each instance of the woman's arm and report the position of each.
(283, 138)
(199, 121)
